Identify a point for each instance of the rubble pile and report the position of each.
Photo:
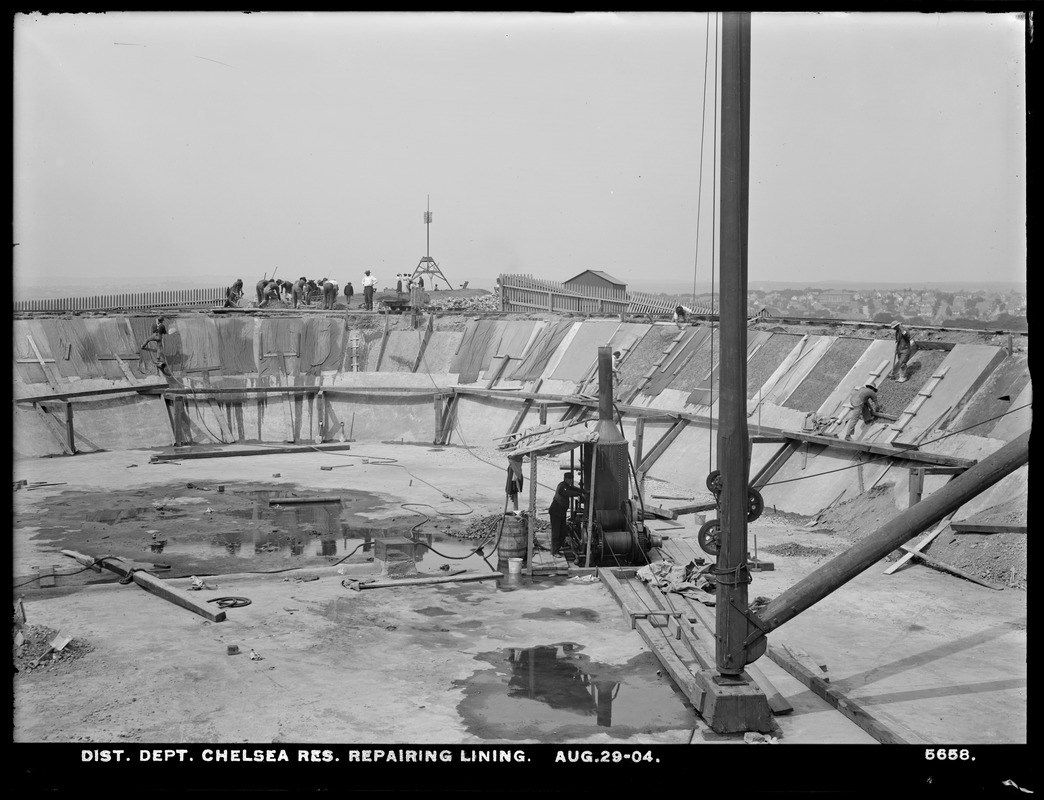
(33, 653)
(488, 527)
(446, 302)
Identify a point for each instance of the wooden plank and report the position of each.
(768, 472)
(662, 445)
(850, 708)
(692, 508)
(934, 562)
(777, 702)
(264, 451)
(979, 527)
(153, 585)
(474, 576)
(295, 500)
(55, 430)
(654, 638)
(59, 395)
(921, 544)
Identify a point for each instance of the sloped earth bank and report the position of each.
(1000, 558)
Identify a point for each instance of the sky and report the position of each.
(152, 147)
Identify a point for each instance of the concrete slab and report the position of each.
(580, 354)
(816, 477)
(1021, 420)
(806, 359)
(966, 368)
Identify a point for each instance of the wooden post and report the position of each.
(639, 440)
(916, 485)
(590, 503)
(532, 512)
(733, 627)
(69, 427)
(543, 414)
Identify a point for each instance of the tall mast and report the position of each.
(733, 626)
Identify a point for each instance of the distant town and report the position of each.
(979, 309)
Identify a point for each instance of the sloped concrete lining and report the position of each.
(479, 420)
(1010, 493)
(34, 437)
(879, 352)
(1009, 379)
(382, 416)
(124, 422)
(806, 359)
(965, 368)
(963, 445)
(580, 354)
(554, 356)
(1017, 423)
(764, 364)
(816, 477)
(400, 351)
(438, 355)
(824, 377)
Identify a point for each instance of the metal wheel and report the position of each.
(708, 537)
(755, 504)
(714, 482)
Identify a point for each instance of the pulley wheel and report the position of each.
(755, 504)
(708, 537)
(714, 482)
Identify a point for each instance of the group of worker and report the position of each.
(305, 291)
(863, 402)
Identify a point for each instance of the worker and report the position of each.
(154, 344)
(233, 293)
(269, 293)
(260, 287)
(330, 292)
(297, 293)
(904, 348)
(679, 315)
(558, 509)
(398, 284)
(420, 282)
(864, 404)
(368, 282)
(514, 480)
(349, 292)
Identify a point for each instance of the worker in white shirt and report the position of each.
(368, 284)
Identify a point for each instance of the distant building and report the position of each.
(835, 298)
(593, 279)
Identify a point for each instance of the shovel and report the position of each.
(58, 644)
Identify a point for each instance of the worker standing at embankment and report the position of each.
(904, 348)
(368, 283)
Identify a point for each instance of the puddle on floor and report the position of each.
(548, 692)
(244, 526)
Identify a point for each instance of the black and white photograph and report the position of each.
(514, 400)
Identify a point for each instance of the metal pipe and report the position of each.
(831, 576)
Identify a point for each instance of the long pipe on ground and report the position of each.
(919, 517)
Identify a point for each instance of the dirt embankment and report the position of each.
(1000, 558)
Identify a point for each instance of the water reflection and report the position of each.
(552, 674)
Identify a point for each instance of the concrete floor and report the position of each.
(939, 658)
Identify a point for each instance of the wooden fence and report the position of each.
(526, 293)
(174, 298)
(522, 293)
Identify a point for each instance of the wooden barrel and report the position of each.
(514, 541)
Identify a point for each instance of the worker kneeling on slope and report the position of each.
(864, 404)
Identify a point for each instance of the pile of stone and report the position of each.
(485, 302)
(488, 527)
